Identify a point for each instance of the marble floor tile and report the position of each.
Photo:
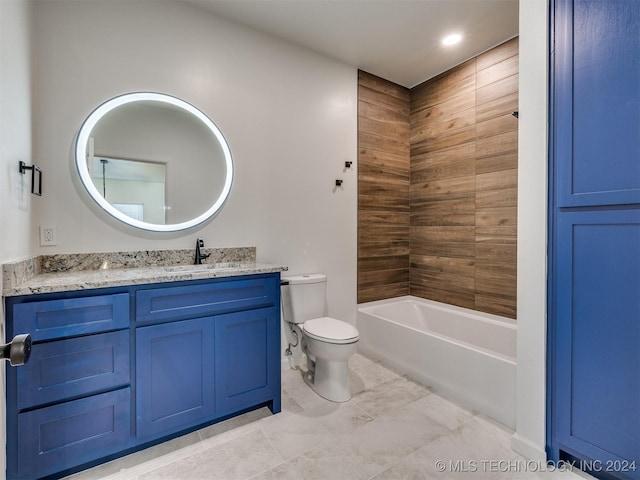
(546, 473)
(238, 459)
(389, 396)
(373, 374)
(339, 418)
(385, 440)
(478, 447)
(358, 360)
(289, 404)
(443, 411)
(315, 465)
(295, 434)
(480, 438)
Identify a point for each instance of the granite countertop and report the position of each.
(87, 279)
(74, 272)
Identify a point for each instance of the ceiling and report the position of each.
(399, 40)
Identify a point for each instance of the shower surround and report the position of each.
(437, 196)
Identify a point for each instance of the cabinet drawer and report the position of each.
(73, 367)
(173, 303)
(62, 436)
(74, 316)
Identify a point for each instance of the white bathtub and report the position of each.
(469, 356)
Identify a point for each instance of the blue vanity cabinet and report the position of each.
(117, 369)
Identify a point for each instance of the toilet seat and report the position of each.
(330, 330)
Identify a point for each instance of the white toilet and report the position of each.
(327, 342)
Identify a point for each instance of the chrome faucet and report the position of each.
(200, 256)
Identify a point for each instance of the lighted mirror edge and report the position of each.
(81, 163)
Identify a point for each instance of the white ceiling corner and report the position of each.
(398, 40)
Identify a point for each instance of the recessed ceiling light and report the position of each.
(451, 39)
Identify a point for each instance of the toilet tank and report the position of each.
(303, 297)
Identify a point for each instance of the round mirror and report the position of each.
(154, 162)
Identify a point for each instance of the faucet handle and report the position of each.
(200, 256)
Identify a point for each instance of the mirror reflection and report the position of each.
(154, 162)
(136, 188)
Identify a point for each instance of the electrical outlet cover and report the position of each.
(48, 235)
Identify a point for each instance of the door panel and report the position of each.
(174, 375)
(599, 302)
(247, 358)
(597, 82)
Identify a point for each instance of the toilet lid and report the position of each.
(327, 329)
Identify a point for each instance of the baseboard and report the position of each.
(527, 448)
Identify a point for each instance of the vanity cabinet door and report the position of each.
(247, 359)
(174, 376)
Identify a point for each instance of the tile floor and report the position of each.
(392, 428)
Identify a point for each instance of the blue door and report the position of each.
(174, 376)
(594, 281)
(247, 363)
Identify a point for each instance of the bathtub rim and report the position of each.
(509, 323)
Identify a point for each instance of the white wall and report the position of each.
(15, 130)
(529, 438)
(15, 145)
(288, 114)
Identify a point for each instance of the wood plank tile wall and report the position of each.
(383, 189)
(463, 195)
(438, 185)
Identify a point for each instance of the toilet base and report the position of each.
(329, 379)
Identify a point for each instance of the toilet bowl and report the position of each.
(327, 342)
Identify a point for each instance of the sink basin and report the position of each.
(200, 268)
